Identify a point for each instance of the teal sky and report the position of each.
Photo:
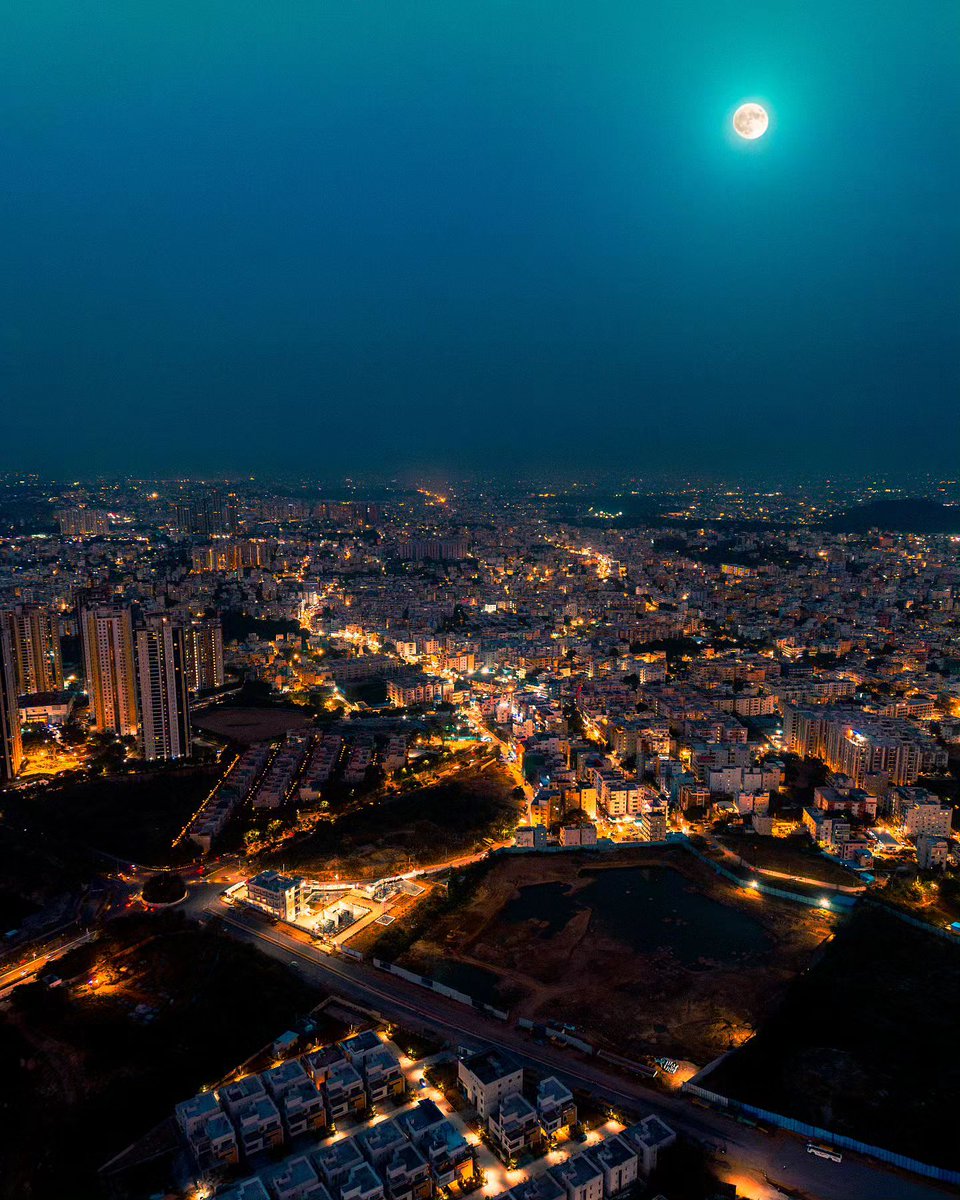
(359, 236)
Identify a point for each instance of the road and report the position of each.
(26, 972)
(764, 1166)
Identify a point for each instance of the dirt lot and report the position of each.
(248, 725)
(866, 1043)
(682, 990)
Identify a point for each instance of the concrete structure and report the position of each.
(280, 895)
(11, 743)
(162, 689)
(487, 1079)
(108, 664)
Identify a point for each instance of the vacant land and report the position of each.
(419, 827)
(644, 950)
(245, 724)
(87, 1072)
(866, 1044)
(794, 855)
(57, 838)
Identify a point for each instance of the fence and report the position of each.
(946, 934)
(441, 989)
(941, 1174)
(766, 889)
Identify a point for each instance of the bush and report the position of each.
(164, 889)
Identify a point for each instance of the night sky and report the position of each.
(348, 236)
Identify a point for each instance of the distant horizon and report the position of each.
(410, 480)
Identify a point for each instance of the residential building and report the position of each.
(210, 1135)
(556, 1109)
(618, 1161)
(204, 646)
(335, 1162)
(295, 1179)
(247, 1189)
(580, 1178)
(406, 1174)
(379, 1142)
(162, 689)
(649, 1137)
(541, 1187)
(108, 657)
(257, 1122)
(83, 522)
(11, 742)
(35, 648)
(382, 1075)
(514, 1126)
(932, 852)
(362, 1183)
(487, 1078)
(345, 1091)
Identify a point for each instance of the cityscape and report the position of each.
(479, 601)
(551, 827)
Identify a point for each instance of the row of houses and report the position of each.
(492, 1082)
(302, 1095)
(277, 784)
(237, 785)
(605, 1170)
(409, 1157)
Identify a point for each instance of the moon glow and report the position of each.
(750, 121)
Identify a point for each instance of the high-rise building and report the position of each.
(108, 665)
(83, 522)
(204, 641)
(208, 514)
(35, 646)
(11, 746)
(162, 688)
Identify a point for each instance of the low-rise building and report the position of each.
(378, 1143)
(932, 852)
(209, 1133)
(282, 896)
(514, 1126)
(382, 1075)
(532, 837)
(345, 1091)
(362, 1183)
(295, 1179)
(247, 1189)
(556, 1109)
(487, 1079)
(542, 1187)
(335, 1162)
(258, 1125)
(649, 1137)
(406, 1174)
(618, 1161)
(580, 1178)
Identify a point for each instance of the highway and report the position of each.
(764, 1166)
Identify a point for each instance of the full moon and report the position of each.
(751, 121)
